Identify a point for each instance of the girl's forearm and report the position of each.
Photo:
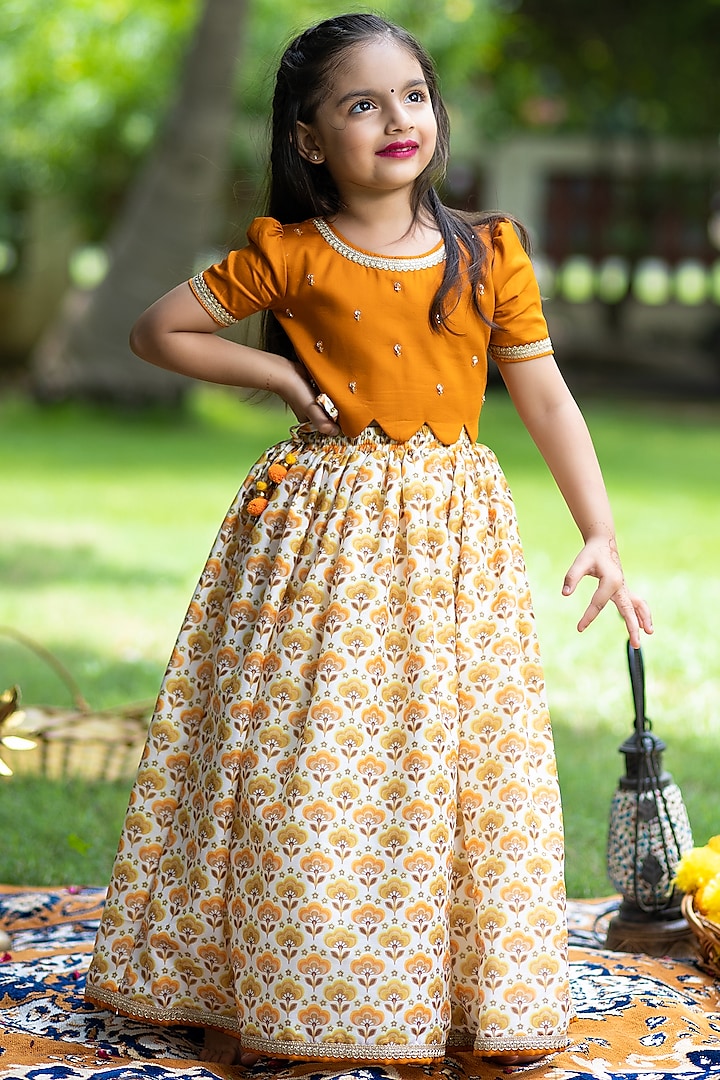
(177, 333)
(214, 359)
(564, 441)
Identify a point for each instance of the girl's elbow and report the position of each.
(142, 338)
(135, 341)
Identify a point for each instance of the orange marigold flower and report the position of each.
(277, 473)
(256, 506)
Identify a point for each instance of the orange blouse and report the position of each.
(359, 322)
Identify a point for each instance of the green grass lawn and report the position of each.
(107, 521)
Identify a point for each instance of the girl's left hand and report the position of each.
(599, 559)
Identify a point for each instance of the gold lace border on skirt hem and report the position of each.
(421, 1054)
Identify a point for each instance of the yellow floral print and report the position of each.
(345, 838)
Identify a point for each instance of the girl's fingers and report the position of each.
(310, 412)
(575, 574)
(598, 600)
(320, 420)
(600, 563)
(608, 573)
(611, 586)
(624, 603)
(633, 609)
(643, 613)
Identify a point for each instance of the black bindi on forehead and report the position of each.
(392, 90)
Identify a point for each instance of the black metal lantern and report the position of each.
(649, 832)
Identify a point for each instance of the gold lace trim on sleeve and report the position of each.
(521, 352)
(210, 302)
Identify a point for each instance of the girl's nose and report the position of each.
(399, 118)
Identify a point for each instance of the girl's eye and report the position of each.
(361, 107)
(416, 96)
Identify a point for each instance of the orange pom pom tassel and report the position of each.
(256, 506)
(277, 473)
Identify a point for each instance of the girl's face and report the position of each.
(376, 129)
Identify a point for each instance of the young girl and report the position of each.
(345, 841)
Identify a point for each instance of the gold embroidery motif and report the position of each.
(521, 352)
(210, 302)
(378, 262)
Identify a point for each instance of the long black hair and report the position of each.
(298, 190)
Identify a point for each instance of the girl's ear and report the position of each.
(307, 144)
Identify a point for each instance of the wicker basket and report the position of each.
(707, 935)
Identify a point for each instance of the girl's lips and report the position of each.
(398, 150)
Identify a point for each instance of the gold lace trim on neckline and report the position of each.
(378, 262)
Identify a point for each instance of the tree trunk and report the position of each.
(166, 221)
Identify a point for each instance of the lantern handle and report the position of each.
(637, 680)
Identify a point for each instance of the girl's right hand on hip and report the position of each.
(309, 406)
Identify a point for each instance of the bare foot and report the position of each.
(247, 1057)
(225, 1049)
(515, 1057)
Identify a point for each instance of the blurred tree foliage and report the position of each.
(83, 85)
(638, 67)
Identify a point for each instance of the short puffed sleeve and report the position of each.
(250, 279)
(522, 332)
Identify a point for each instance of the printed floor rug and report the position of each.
(637, 1018)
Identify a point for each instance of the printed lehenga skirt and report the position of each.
(345, 836)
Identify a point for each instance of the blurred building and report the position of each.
(626, 235)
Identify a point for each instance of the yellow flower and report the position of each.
(696, 868)
(707, 899)
(714, 843)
